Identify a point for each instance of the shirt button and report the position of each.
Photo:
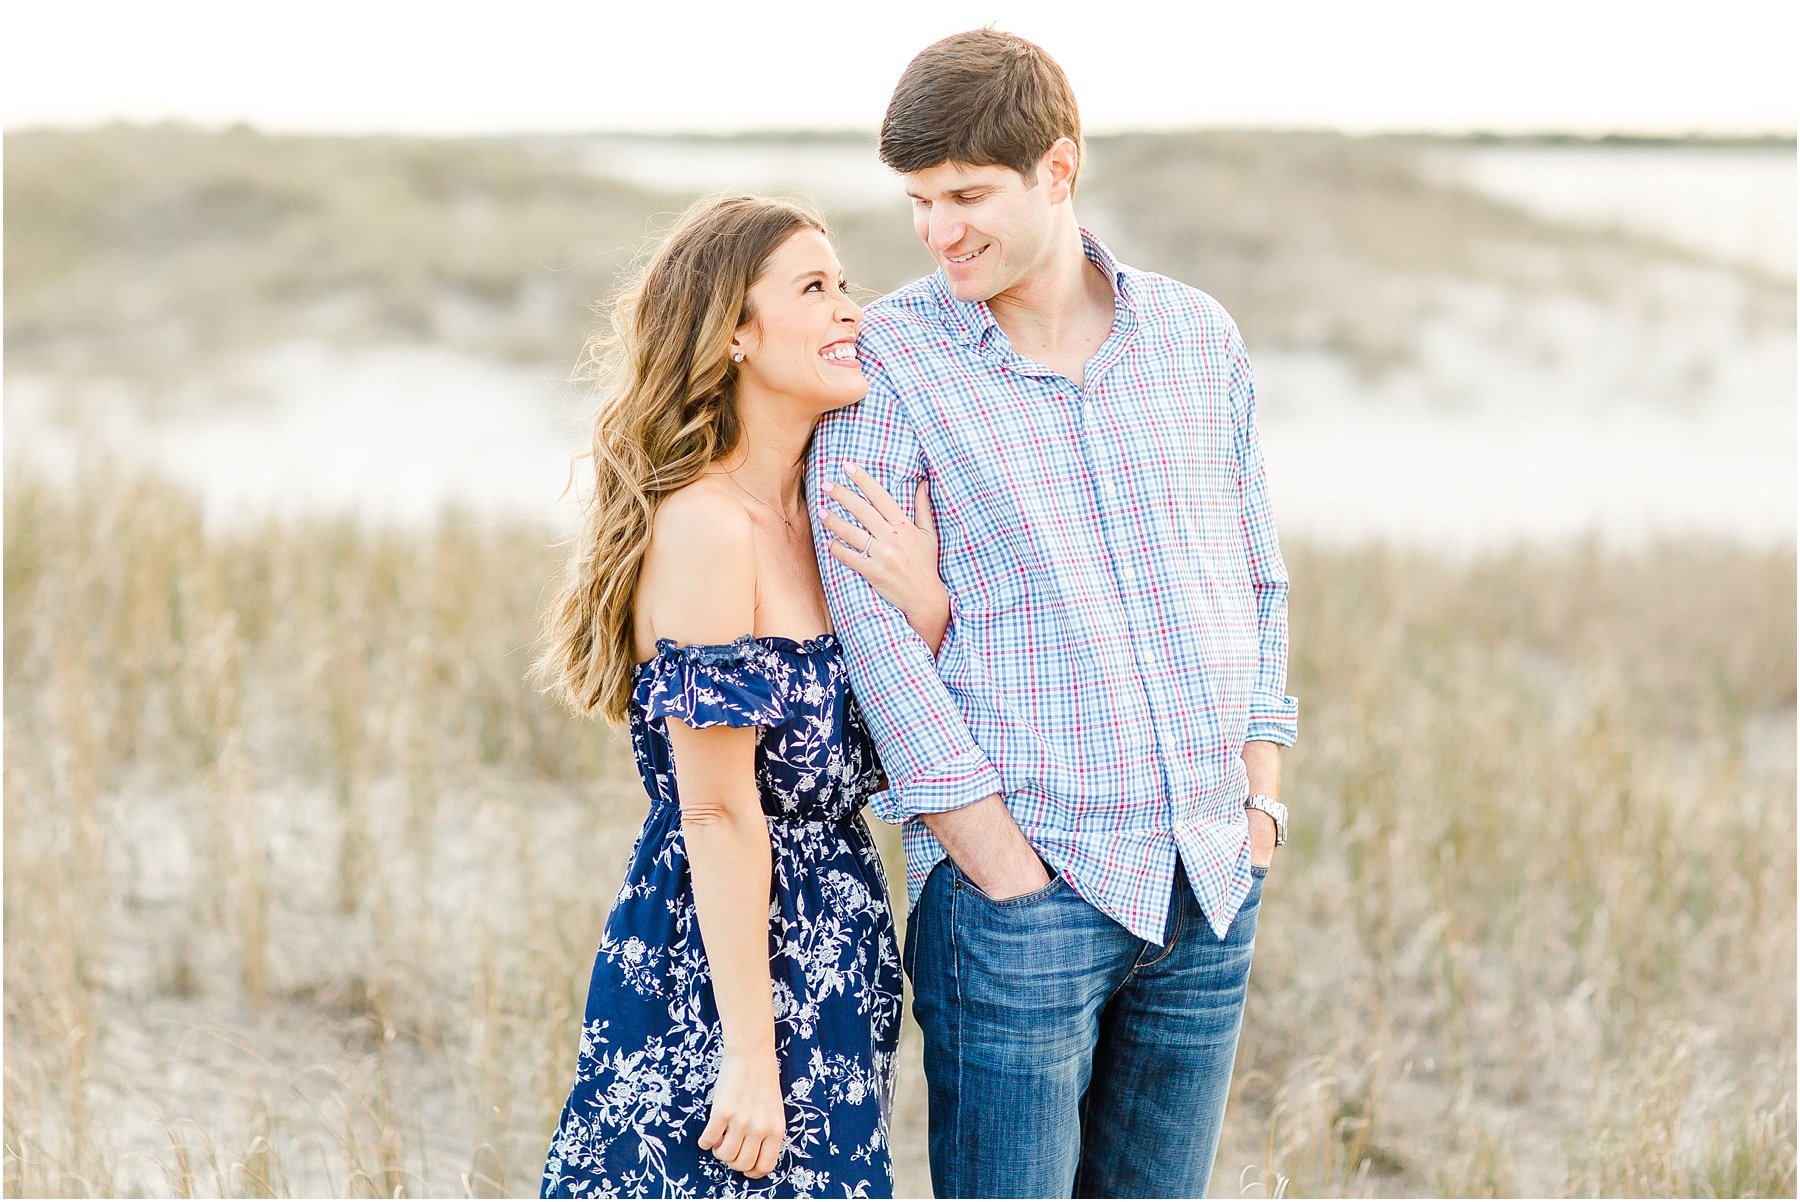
(1108, 491)
(1129, 573)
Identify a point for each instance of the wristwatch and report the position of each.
(1273, 809)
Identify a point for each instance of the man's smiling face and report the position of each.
(986, 227)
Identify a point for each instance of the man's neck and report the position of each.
(1062, 311)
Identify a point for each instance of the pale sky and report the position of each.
(1582, 66)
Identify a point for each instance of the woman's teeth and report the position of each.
(839, 353)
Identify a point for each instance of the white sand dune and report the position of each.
(1663, 405)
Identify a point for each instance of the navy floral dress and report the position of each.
(650, 1044)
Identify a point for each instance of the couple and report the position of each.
(1031, 606)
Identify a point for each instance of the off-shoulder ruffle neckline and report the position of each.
(739, 649)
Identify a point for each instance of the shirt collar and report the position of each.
(973, 322)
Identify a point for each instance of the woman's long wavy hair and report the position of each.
(668, 410)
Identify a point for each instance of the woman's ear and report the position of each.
(744, 343)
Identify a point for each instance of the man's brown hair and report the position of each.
(981, 98)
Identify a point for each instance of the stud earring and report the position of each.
(737, 356)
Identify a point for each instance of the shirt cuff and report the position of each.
(1273, 720)
(950, 784)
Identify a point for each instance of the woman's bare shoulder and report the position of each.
(704, 517)
(699, 581)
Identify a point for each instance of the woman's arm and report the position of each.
(722, 822)
(897, 556)
(727, 841)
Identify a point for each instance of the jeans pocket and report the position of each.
(909, 946)
(1259, 871)
(1023, 900)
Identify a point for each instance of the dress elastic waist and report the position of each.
(775, 820)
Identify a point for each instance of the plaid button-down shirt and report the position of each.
(1118, 600)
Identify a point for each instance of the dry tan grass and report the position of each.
(290, 842)
(303, 882)
(1538, 931)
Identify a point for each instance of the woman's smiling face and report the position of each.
(801, 337)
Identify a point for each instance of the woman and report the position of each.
(744, 1008)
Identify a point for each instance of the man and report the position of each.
(1086, 766)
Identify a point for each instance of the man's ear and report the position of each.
(1058, 169)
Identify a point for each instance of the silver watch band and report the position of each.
(1273, 809)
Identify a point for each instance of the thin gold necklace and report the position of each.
(785, 519)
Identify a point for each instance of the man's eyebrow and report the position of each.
(962, 191)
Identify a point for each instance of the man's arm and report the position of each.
(987, 844)
(936, 771)
(1274, 716)
(1263, 762)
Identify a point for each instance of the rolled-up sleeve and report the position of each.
(1274, 716)
(932, 762)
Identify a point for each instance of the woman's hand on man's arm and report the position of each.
(896, 555)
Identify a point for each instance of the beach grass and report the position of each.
(303, 880)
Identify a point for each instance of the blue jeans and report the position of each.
(1066, 1057)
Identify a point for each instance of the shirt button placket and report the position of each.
(1108, 492)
